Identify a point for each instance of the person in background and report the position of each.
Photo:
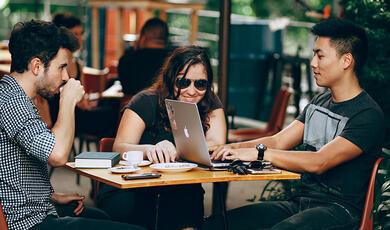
(88, 113)
(140, 64)
(186, 76)
(75, 67)
(40, 54)
(341, 131)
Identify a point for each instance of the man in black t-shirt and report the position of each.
(341, 131)
(140, 64)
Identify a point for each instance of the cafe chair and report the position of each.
(3, 222)
(274, 124)
(105, 145)
(367, 222)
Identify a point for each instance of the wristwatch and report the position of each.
(261, 149)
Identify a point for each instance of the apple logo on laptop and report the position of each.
(186, 132)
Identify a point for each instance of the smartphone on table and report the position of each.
(141, 176)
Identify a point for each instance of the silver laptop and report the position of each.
(188, 133)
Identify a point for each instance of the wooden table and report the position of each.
(194, 176)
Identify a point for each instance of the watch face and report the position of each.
(261, 147)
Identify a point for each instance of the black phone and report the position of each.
(141, 176)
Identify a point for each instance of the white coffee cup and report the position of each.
(133, 157)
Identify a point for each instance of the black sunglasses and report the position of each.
(200, 84)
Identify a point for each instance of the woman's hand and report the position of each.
(60, 198)
(162, 152)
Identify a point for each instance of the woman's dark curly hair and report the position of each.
(184, 57)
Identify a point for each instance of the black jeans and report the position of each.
(173, 207)
(90, 218)
(81, 223)
(64, 210)
(299, 213)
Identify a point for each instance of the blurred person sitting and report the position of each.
(88, 113)
(140, 64)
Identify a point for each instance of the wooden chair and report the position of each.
(274, 124)
(3, 222)
(105, 145)
(367, 222)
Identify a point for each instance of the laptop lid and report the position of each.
(187, 131)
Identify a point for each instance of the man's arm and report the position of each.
(63, 129)
(336, 152)
(288, 138)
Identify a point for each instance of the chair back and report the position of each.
(105, 144)
(113, 69)
(367, 222)
(278, 113)
(94, 80)
(3, 222)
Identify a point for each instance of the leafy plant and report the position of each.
(374, 16)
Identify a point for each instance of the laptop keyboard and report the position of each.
(220, 163)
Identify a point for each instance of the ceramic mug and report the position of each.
(133, 157)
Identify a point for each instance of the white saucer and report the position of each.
(124, 169)
(142, 163)
(173, 167)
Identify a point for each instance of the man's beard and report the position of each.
(45, 94)
(43, 89)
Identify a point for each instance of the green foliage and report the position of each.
(374, 16)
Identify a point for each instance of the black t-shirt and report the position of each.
(145, 104)
(137, 69)
(359, 120)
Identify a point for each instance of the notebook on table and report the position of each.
(97, 159)
(188, 133)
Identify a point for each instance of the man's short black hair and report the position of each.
(156, 29)
(346, 37)
(39, 39)
(66, 20)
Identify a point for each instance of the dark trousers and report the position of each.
(88, 212)
(90, 218)
(298, 213)
(164, 208)
(81, 223)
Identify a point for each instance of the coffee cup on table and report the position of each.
(133, 157)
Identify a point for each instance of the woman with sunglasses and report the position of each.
(186, 76)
